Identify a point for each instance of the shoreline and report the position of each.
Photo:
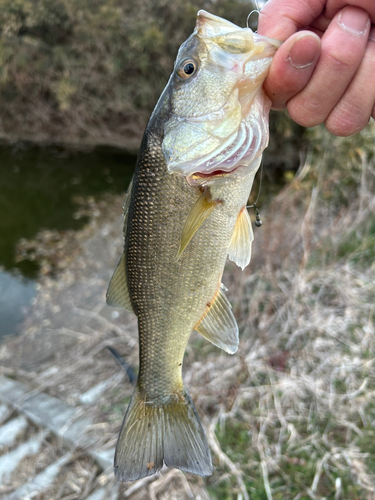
(126, 147)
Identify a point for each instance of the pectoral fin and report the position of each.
(200, 211)
(118, 293)
(240, 246)
(218, 325)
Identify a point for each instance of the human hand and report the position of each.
(325, 73)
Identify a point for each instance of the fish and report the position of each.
(184, 213)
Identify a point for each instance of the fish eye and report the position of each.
(187, 69)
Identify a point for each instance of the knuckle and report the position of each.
(305, 112)
(343, 53)
(343, 125)
(341, 61)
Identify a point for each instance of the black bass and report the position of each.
(184, 213)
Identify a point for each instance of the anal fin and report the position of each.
(202, 208)
(240, 246)
(219, 325)
(118, 293)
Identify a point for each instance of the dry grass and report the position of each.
(292, 414)
(301, 421)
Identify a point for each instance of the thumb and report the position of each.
(292, 67)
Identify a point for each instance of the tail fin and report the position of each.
(151, 434)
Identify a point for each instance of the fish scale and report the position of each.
(183, 217)
(169, 308)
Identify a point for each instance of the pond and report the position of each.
(38, 187)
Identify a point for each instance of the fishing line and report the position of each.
(248, 17)
(258, 222)
(120, 359)
(257, 11)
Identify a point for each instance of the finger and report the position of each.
(292, 67)
(321, 23)
(316, 31)
(334, 6)
(280, 19)
(343, 46)
(353, 111)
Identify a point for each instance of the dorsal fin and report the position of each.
(126, 205)
(197, 215)
(218, 324)
(240, 245)
(118, 293)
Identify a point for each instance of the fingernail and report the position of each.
(304, 51)
(354, 19)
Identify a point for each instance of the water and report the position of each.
(16, 294)
(37, 191)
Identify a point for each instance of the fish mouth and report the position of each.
(231, 37)
(215, 173)
(201, 177)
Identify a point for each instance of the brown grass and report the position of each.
(292, 414)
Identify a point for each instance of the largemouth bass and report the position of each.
(184, 213)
